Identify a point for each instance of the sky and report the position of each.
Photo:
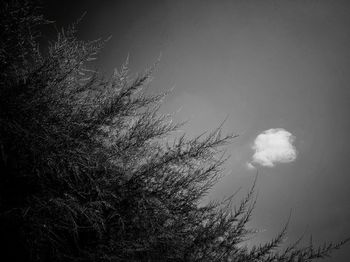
(277, 71)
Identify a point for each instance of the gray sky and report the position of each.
(264, 64)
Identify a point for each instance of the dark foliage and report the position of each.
(86, 174)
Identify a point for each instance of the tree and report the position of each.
(87, 172)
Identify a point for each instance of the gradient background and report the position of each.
(264, 64)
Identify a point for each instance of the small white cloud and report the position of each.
(273, 146)
(250, 166)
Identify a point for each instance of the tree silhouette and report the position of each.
(88, 169)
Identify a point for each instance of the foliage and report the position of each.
(87, 172)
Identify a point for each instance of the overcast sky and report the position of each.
(278, 70)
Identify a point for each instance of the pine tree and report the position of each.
(88, 172)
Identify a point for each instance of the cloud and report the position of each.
(273, 146)
(250, 166)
